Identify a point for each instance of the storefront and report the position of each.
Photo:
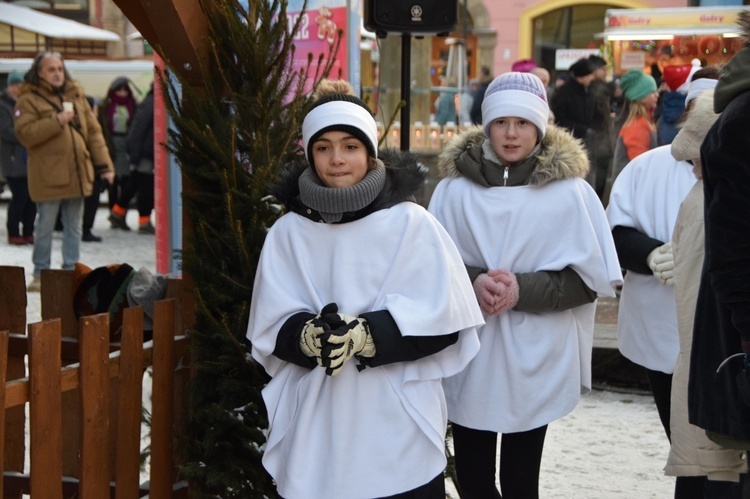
(650, 39)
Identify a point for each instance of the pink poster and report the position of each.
(318, 31)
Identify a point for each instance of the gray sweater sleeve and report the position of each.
(548, 291)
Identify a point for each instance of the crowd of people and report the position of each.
(373, 354)
(523, 232)
(60, 150)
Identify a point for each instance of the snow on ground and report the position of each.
(611, 446)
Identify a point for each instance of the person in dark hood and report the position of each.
(719, 384)
(360, 306)
(115, 114)
(140, 148)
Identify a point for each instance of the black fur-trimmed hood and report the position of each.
(560, 155)
(404, 176)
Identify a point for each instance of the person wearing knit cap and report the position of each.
(535, 241)
(706, 467)
(354, 331)
(523, 65)
(581, 106)
(642, 210)
(719, 386)
(637, 134)
(21, 209)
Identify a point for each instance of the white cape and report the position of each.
(532, 367)
(380, 431)
(647, 196)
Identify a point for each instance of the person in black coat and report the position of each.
(21, 209)
(719, 384)
(485, 78)
(139, 145)
(582, 106)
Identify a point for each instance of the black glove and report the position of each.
(312, 334)
(348, 336)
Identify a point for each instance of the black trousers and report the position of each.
(91, 204)
(21, 209)
(141, 184)
(520, 462)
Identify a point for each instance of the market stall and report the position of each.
(650, 39)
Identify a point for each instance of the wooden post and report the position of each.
(95, 406)
(13, 318)
(45, 406)
(3, 367)
(57, 303)
(127, 474)
(162, 407)
(57, 300)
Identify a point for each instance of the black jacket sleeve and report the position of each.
(287, 342)
(552, 291)
(633, 247)
(140, 138)
(391, 347)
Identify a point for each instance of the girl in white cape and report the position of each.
(535, 240)
(361, 306)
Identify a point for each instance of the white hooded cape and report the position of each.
(647, 196)
(380, 431)
(532, 367)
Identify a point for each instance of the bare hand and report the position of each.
(65, 117)
(108, 176)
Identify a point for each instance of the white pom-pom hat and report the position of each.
(521, 95)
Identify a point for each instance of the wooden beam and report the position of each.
(175, 28)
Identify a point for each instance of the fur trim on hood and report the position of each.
(404, 176)
(560, 155)
(687, 144)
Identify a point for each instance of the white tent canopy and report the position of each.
(52, 26)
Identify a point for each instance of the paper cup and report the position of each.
(68, 106)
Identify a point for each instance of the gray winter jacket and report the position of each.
(12, 153)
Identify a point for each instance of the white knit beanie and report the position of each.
(521, 95)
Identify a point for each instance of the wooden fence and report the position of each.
(84, 396)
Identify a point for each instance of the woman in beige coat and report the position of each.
(715, 469)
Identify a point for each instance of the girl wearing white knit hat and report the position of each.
(361, 305)
(535, 241)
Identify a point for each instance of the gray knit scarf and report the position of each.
(333, 203)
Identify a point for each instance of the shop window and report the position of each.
(570, 27)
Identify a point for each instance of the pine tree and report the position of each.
(231, 136)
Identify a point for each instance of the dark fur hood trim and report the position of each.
(561, 156)
(404, 176)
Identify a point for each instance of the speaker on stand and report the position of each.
(409, 17)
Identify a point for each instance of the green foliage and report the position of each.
(231, 137)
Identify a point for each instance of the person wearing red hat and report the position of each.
(671, 103)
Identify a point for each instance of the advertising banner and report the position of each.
(318, 32)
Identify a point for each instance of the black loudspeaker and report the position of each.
(410, 16)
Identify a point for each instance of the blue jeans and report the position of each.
(72, 218)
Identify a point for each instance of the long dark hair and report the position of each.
(32, 75)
